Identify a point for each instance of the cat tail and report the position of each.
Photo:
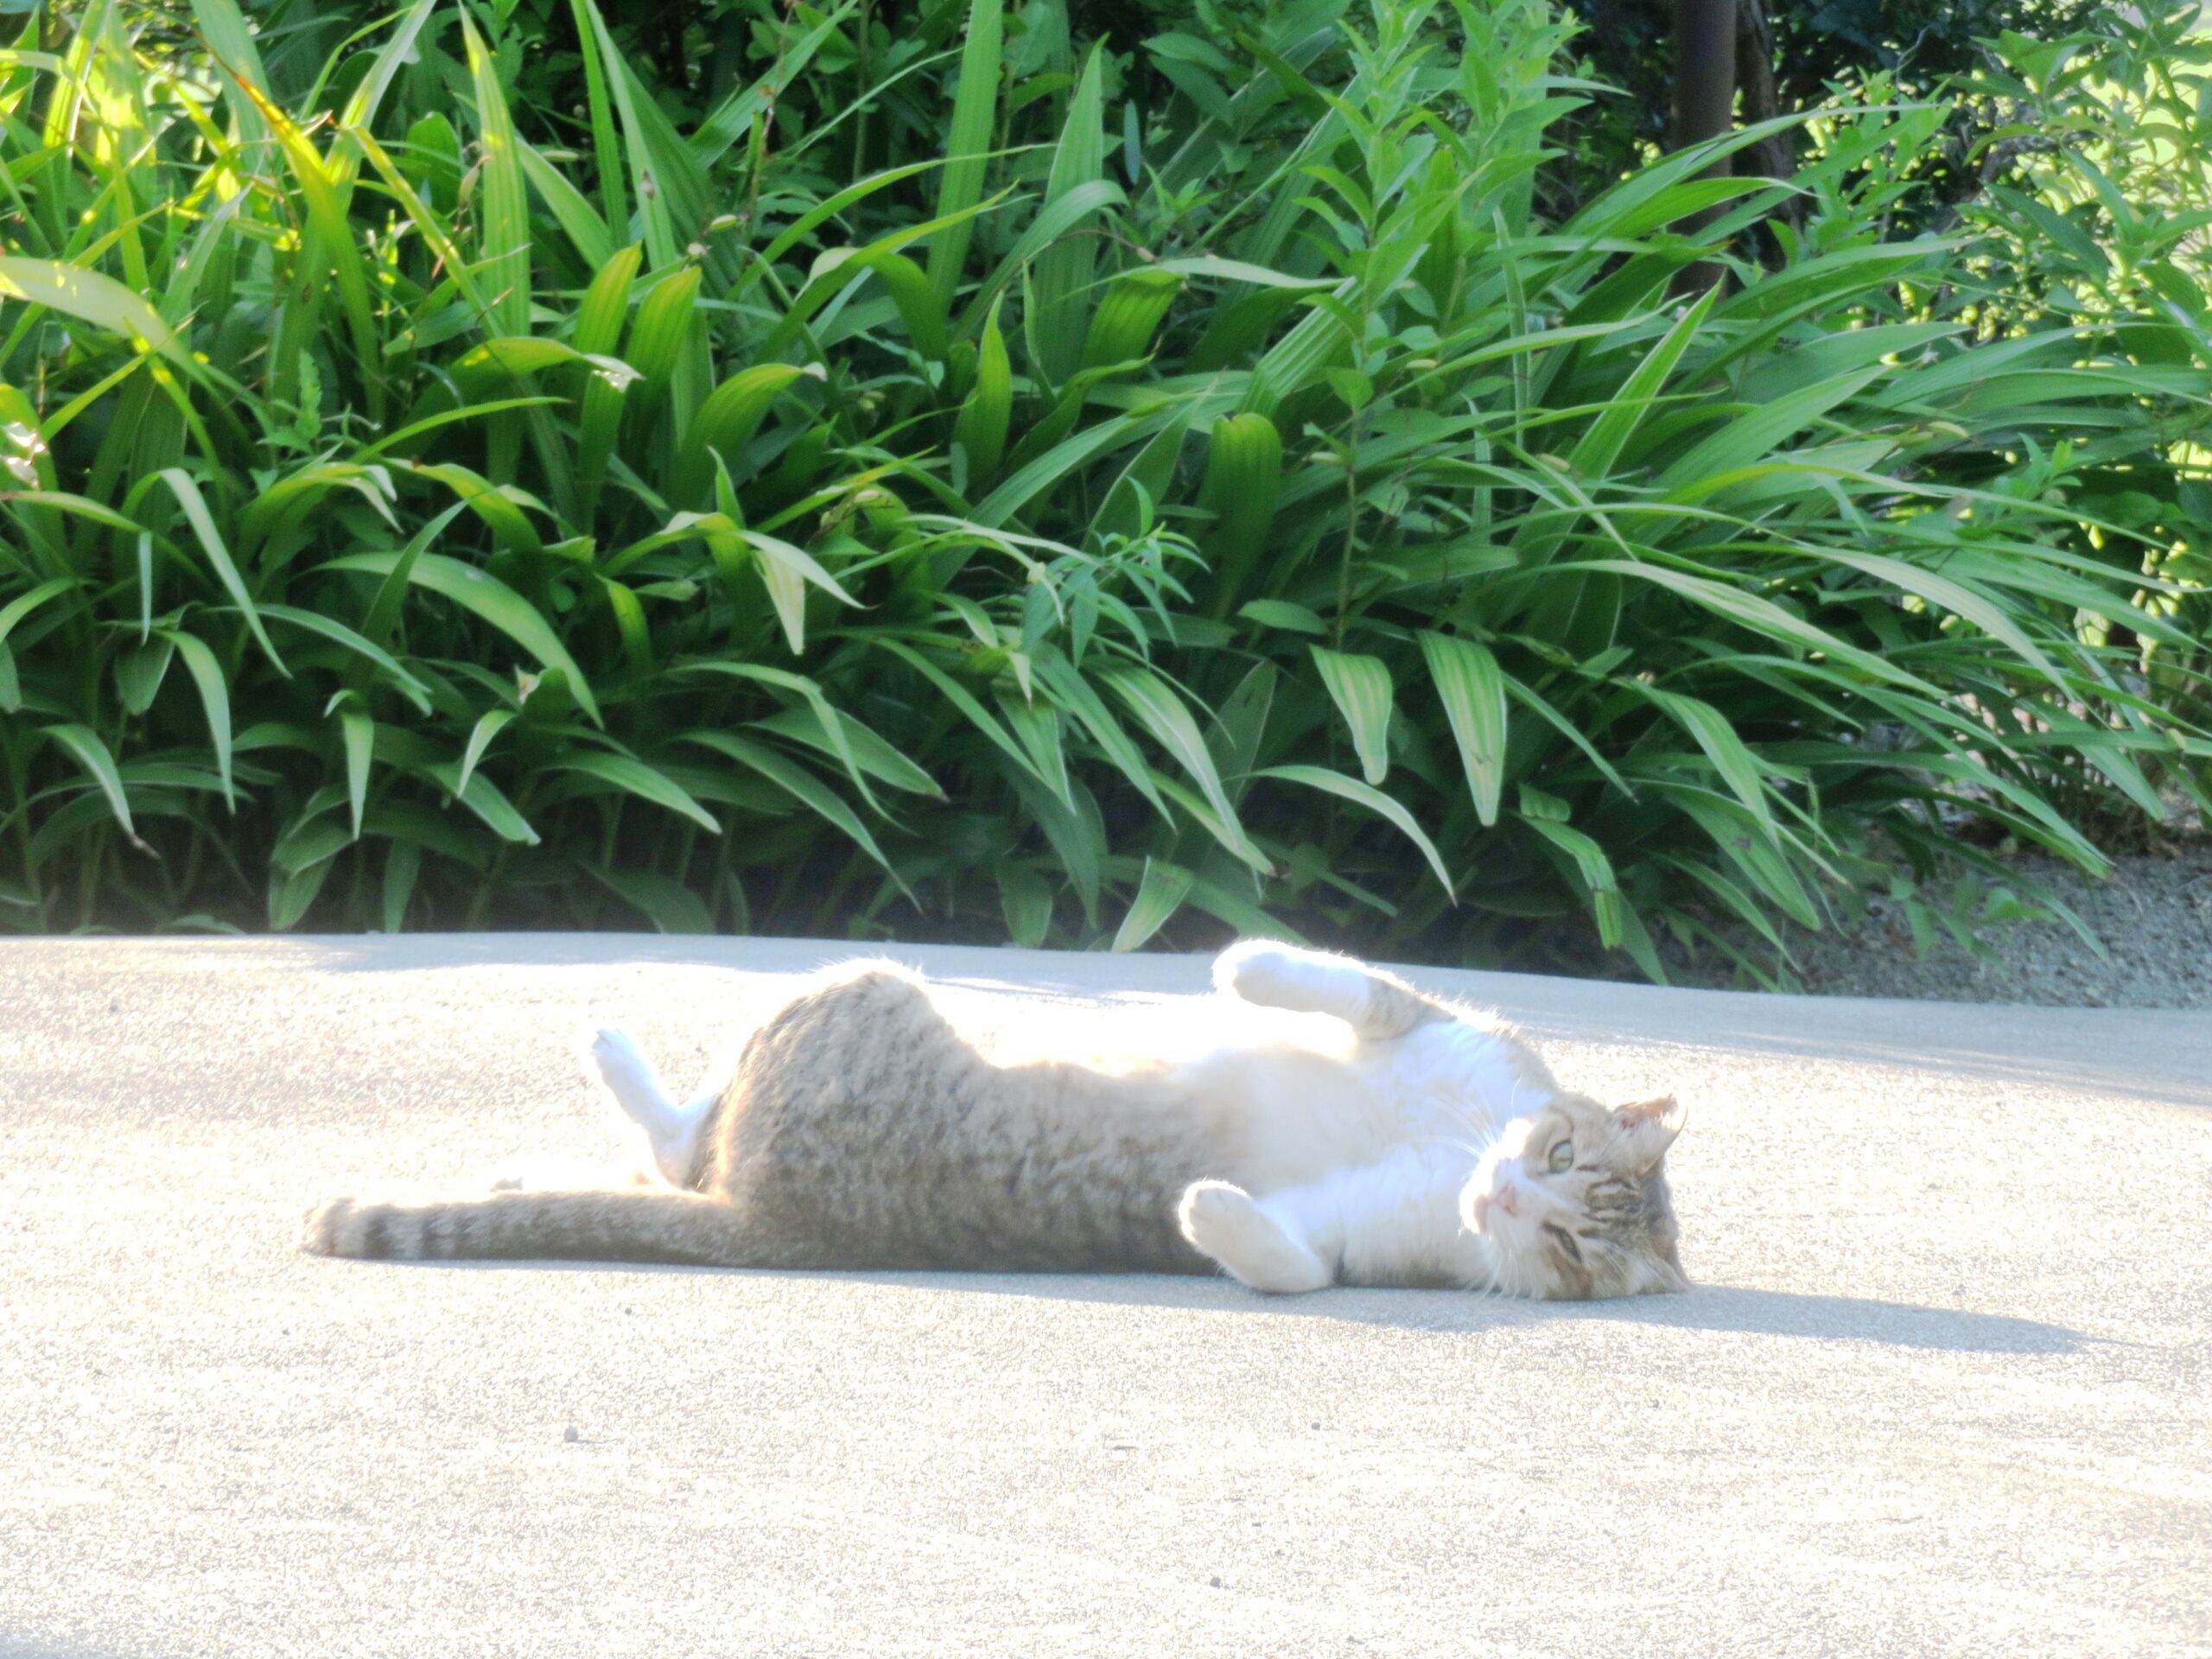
(625, 1224)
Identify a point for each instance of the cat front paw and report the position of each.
(1226, 1223)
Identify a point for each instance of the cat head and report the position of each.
(1574, 1203)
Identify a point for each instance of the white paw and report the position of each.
(608, 1055)
(1253, 968)
(1226, 1223)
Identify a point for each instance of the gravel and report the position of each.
(2153, 916)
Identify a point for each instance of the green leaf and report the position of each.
(975, 112)
(90, 297)
(1160, 894)
(486, 799)
(1366, 795)
(635, 777)
(1361, 688)
(1061, 277)
(1593, 868)
(1161, 713)
(401, 866)
(360, 736)
(214, 697)
(219, 555)
(1282, 614)
(487, 727)
(338, 633)
(1026, 898)
(666, 902)
(868, 748)
(803, 786)
(1472, 687)
(489, 598)
(85, 748)
(1738, 766)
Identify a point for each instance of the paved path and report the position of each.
(1945, 1387)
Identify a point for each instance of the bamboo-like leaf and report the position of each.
(85, 748)
(981, 429)
(488, 726)
(968, 142)
(488, 597)
(1243, 482)
(586, 231)
(1366, 795)
(1601, 446)
(503, 220)
(496, 362)
(1161, 713)
(977, 715)
(803, 786)
(214, 699)
(219, 557)
(788, 571)
(371, 654)
(1061, 281)
(870, 751)
(359, 733)
(497, 505)
(1361, 688)
(1472, 687)
(90, 297)
(1026, 898)
(666, 902)
(1733, 759)
(1160, 894)
(401, 866)
(635, 777)
(487, 800)
(725, 423)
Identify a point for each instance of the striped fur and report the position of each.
(859, 1130)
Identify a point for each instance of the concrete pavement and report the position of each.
(1945, 1386)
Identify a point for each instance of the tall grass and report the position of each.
(975, 506)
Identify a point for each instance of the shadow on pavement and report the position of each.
(1705, 1308)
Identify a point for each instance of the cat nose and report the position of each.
(1507, 1198)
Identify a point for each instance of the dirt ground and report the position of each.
(2153, 916)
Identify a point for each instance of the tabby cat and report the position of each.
(1363, 1133)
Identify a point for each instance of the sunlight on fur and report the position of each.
(1316, 1121)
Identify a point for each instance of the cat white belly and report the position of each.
(1292, 1112)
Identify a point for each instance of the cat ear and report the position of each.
(1651, 1125)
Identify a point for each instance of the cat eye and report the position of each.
(1562, 1158)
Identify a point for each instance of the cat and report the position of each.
(1364, 1134)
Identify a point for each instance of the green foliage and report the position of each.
(2099, 162)
(1244, 508)
(1915, 46)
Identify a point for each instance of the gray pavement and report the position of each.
(1945, 1386)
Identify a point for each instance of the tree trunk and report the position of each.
(1705, 103)
(1705, 72)
(1773, 158)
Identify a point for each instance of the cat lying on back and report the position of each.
(1381, 1138)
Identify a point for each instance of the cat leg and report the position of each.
(1395, 1222)
(1227, 1223)
(670, 1128)
(1376, 1005)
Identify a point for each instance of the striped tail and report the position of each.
(621, 1224)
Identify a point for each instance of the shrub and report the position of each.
(1250, 511)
